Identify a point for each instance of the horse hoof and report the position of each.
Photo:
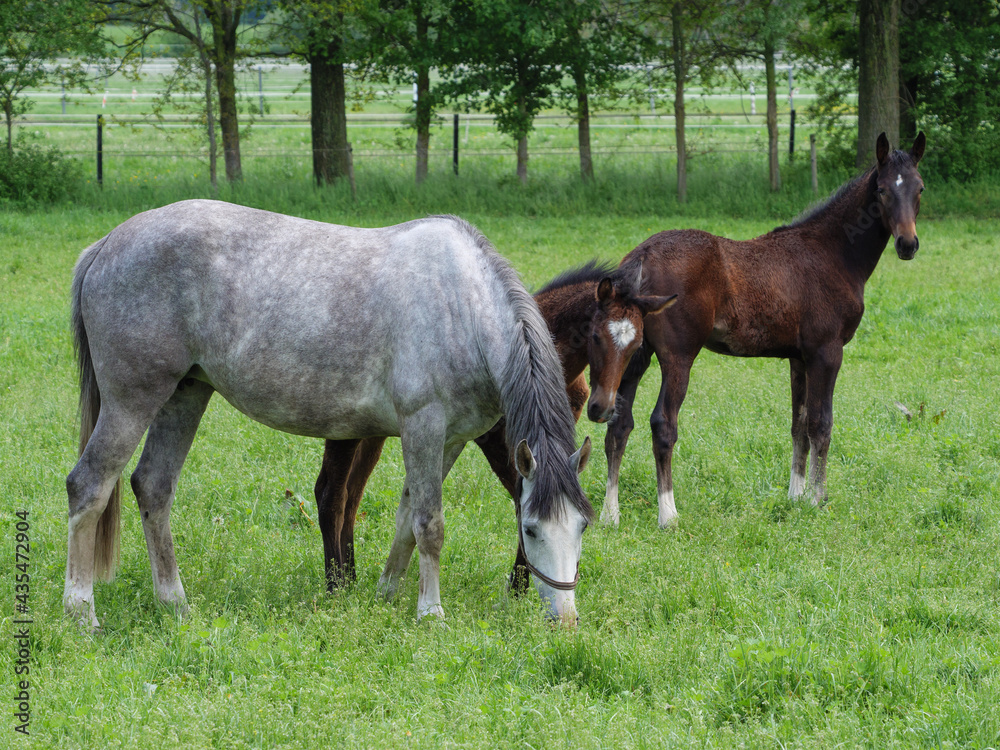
(433, 618)
(609, 519)
(670, 524)
(179, 609)
(386, 589)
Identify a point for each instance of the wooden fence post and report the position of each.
(454, 158)
(350, 172)
(812, 162)
(100, 150)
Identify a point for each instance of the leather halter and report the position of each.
(560, 585)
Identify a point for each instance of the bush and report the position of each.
(34, 174)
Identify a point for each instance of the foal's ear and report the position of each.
(881, 149)
(579, 459)
(653, 305)
(917, 150)
(605, 290)
(524, 461)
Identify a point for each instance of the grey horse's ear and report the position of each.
(524, 461)
(579, 459)
(881, 149)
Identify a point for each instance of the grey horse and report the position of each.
(420, 330)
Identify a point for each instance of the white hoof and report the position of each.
(82, 611)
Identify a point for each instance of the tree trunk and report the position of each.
(423, 113)
(680, 74)
(878, 76)
(328, 122)
(423, 120)
(224, 17)
(583, 122)
(9, 116)
(522, 159)
(213, 167)
(206, 69)
(772, 117)
(225, 75)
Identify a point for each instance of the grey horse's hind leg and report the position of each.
(154, 482)
(89, 485)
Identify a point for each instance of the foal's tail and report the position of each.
(106, 547)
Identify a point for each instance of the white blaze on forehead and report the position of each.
(622, 331)
(899, 180)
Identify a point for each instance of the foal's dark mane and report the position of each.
(592, 272)
(843, 200)
(533, 393)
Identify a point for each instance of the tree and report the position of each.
(510, 67)
(949, 71)
(598, 47)
(878, 75)
(317, 31)
(678, 31)
(413, 37)
(220, 46)
(33, 34)
(756, 30)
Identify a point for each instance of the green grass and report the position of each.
(872, 622)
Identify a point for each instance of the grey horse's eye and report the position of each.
(531, 533)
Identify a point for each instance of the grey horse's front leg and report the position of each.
(402, 548)
(420, 518)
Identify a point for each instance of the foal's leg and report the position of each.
(494, 447)
(154, 483)
(578, 392)
(615, 440)
(365, 459)
(89, 485)
(800, 434)
(821, 377)
(331, 502)
(675, 371)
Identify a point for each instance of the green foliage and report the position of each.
(33, 173)
(949, 68)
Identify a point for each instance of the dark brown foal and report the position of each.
(596, 319)
(796, 292)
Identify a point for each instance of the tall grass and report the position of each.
(872, 621)
(717, 187)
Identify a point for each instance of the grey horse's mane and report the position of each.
(533, 393)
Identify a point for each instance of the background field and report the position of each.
(719, 121)
(873, 621)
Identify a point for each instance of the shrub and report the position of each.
(35, 174)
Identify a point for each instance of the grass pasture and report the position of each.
(871, 622)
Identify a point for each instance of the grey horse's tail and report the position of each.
(108, 526)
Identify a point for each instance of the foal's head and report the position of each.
(615, 337)
(898, 190)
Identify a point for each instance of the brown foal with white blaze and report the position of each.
(796, 293)
(595, 316)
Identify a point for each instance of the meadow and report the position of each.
(872, 621)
